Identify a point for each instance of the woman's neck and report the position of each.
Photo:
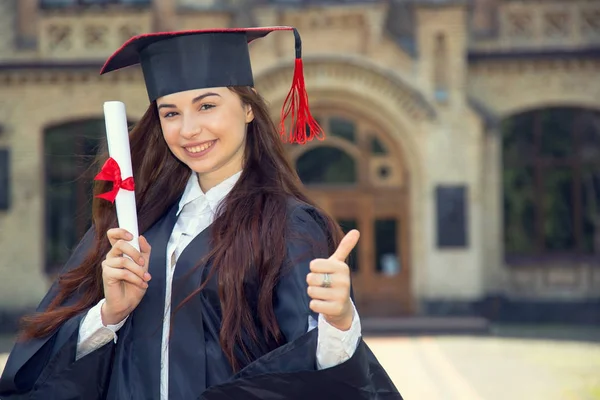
(210, 180)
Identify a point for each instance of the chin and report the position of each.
(201, 168)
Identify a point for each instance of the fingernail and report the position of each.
(145, 285)
(147, 276)
(129, 236)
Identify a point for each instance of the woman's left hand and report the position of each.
(329, 284)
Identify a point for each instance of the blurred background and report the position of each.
(463, 141)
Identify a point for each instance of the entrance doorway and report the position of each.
(357, 176)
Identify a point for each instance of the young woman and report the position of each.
(236, 265)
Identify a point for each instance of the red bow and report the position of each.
(112, 172)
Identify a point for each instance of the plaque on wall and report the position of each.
(451, 216)
(4, 180)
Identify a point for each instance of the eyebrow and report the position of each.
(196, 99)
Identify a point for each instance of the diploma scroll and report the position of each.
(117, 134)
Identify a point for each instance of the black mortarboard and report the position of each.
(178, 61)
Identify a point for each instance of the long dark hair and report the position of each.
(256, 206)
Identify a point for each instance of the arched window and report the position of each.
(354, 153)
(357, 176)
(551, 180)
(69, 151)
(326, 165)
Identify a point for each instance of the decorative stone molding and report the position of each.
(354, 73)
(92, 35)
(68, 74)
(196, 19)
(509, 86)
(549, 281)
(322, 21)
(519, 65)
(385, 172)
(378, 170)
(540, 25)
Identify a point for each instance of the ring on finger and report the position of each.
(326, 281)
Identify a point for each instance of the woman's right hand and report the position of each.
(124, 279)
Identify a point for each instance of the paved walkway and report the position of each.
(3, 358)
(488, 368)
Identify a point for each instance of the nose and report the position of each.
(191, 127)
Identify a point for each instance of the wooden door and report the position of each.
(381, 274)
(357, 175)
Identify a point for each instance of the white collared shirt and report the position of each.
(196, 212)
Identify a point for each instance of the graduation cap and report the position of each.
(178, 61)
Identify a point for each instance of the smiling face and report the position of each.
(206, 130)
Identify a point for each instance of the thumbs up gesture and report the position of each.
(329, 284)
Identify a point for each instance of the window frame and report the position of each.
(79, 175)
(542, 165)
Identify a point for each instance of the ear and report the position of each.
(249, 114)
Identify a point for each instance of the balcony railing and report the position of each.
(543, 26)
(94, 34)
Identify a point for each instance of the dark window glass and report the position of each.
(377, 148)
(69, 151)
(343, 128)
(590, 188)
(347, 225)
(326, 165)
(557, 200)
(518, 139)
(556, 130)
(551, 180)
(519, 210)
(387, 256)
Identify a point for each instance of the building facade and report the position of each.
(463, 139)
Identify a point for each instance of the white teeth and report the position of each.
(198, 149)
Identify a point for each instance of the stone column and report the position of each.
(442, 39)
(165, 15)
(26, 23)
(494, 273)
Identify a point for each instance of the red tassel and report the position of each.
(296, 104)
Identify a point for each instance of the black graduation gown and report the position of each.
(130, 369)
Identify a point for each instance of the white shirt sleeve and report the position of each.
(93, 334)
(335, 347)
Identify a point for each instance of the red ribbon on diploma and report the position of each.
(112, 172)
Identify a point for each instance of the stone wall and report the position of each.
(7, 27)
(38, 100)
(351, 62)
(508, 87)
